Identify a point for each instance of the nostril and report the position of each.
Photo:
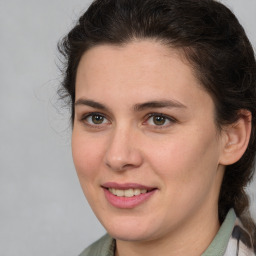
(122, 154)
(120, 167)
(128, 166)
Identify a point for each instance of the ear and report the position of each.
(236, 137)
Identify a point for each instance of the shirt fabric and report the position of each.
(232, 239)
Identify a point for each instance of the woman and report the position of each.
(163, 111)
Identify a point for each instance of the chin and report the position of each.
(125, 235)
(131, 230)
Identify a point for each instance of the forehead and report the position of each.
(140, 70)
(145, 56)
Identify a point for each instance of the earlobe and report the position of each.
(236, 138)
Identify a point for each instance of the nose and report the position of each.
(123, 150)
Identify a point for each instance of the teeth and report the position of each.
(119, 192)
(136, 192)
(127, 192)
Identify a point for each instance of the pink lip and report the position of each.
(125, 186)
(127, 202)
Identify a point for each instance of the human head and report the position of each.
(213, 42)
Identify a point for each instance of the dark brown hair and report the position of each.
(214, 43)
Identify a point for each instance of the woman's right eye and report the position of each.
(95, 119)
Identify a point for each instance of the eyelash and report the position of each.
(171, 120)
(165, 118)
(90, 115)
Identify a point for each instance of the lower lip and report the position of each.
(127, 202)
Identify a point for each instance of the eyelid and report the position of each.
(160, 114)
(169, 118)
(90, 114)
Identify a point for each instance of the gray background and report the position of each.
(42, 208)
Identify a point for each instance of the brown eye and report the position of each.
(159, 120)
(97, 119)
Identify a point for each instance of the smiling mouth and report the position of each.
(127, 192)
(127, 195)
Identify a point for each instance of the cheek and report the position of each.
(186, 160)
(87, 155)
(187, 172)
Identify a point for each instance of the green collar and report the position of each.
(105, 246)
(219, 244)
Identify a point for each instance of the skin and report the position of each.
(181, 158)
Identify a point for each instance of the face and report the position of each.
(145, 144)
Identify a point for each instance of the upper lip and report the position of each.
(126, 186)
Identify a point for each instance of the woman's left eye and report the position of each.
(159, 120)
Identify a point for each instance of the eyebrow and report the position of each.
(91, 103)
(159, 104)
(137, 107)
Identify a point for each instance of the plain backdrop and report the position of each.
(42, 208)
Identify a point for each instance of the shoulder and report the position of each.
(241, 242)
(105, 246)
